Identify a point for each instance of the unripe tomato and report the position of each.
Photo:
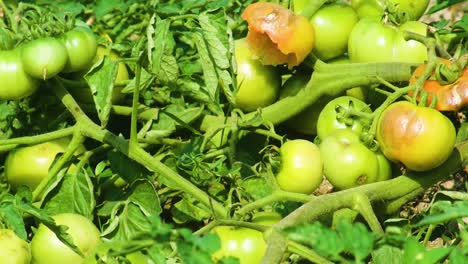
(15, 82)
(301, 167)
(46, 248)
(421, 138)
(348, 163)
(81, 45)
(376, 8)
(258, 85)
(38, 158)
(333, 24)
(372, 41)
(245, 244)
(44, 58)
(13, 250)
(328, 120)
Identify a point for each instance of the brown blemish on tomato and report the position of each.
(277, 35)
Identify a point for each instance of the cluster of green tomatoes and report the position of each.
(22, 68)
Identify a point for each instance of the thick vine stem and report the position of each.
(90, 129)
(364, 207)
(403, 186)
(327, 79)
(11, 143)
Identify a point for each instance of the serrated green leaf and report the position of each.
(388, 254)
(442, 5)
(74, 194)
(357, 239)
(174, 116)
(216, 48)
(160, 48)
(101, 82)
(209, 71)
(443, 211)
(144, 195)
(415, 252)
(12, 219)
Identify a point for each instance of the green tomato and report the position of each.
(328, 120)
(347, 162)
(258, 85)
(16, 83)
(372, 41)
(306, 121)
(421, 138)
(44, 58)
(13, 250)
(46, 248)
(38, 158)
(245, 244)
(414, 9)
(332, 25)
(301, 167)
(81, 45)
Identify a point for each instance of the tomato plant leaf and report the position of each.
(194, 249)
(210, 75)
(102, 7)
(171, 117)
(415, 252)
(74, 194)
(131, 216)
(144, 195)
(189, 209)
(443, 211)
(442, 4)
(12, 218)
(388, 254)
(101, 82)
(160, 47)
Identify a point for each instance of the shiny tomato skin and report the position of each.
(245, 244)
(13, 249)
(46, 248)
(16, 83)
(376, 8)
(327, 121)
(258, 85)
(81, 45)
(333, 24)
(38, 159)
(347, 162)
(421, 138)
(44, 58)
(301, 167)
(372, 41)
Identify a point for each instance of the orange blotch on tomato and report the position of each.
(277, 35)
(450, 97)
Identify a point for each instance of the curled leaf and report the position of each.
(277, 35)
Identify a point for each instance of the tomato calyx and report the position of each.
(446, 89)
(277, 35)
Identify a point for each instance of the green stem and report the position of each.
(364, 207)
(32, 140)
(277, 195)
(90, 129)
(328, 79)
(143, 113)
(135, 103)
(312, 7)
(306, 253)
